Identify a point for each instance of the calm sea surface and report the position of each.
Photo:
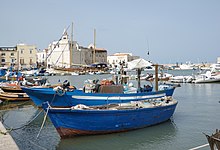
(197, 112)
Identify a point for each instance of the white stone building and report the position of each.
(61, 54)
(118, 58)
(41, 57)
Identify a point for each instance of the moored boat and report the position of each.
(9, 96)
(11, 88)
(87, 120)
(208, 77)
(214, 140)
(105, 92)
(105, 95)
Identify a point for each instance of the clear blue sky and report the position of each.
(176, 30)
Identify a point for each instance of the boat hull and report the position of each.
(5, 96)
(41, 95)
(207, 80)
(88, 122)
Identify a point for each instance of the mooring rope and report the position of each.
(2, 132)
(45, 117)
(53, 98)
(198, 147)
(27, 140)
(11, 129)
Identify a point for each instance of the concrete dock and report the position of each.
(6, 141)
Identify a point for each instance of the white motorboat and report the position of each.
(208, 77)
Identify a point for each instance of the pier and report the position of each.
(6, 141)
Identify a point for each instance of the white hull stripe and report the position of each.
(117, 97)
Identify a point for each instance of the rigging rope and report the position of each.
(56, 44)
(61, 54)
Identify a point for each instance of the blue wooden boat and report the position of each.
(105, 96)
(88, 120)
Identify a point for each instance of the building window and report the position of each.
(31, 51)
(12, 60)
(22, 51)
(3, 54)
(22, 61)
(3, 60)
(31, 62)
(12, 54)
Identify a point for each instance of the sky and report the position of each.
(171, 30)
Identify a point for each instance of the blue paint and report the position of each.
(107, 121)
(40, 95)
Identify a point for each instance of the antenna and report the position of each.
(71, 46)
(94, 59)
(148, 53)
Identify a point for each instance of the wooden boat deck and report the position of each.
(9, 96)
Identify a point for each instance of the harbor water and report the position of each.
(197, 112)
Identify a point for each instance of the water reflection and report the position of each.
(7, 105)
(147, 138)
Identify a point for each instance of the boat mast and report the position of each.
(71, 46)
(18, 60)
(94, 46)
(156, 77)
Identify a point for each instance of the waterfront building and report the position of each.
(8, 56)
(27, 56)
(100, 54)
(41, 57)
(119, 58)
(19, 56)
(66, 53)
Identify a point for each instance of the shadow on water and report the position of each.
(152, 137)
